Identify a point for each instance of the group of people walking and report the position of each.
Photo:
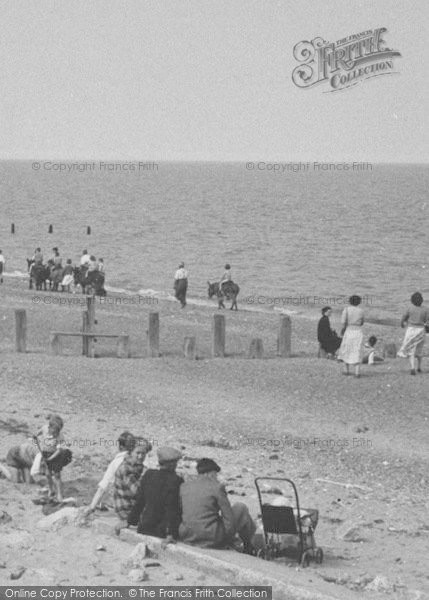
(349, 347)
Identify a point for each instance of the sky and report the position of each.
(205, 80)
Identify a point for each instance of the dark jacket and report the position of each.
(327, 337)
(156, 509)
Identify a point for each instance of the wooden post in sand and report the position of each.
(153, 335)
(285, 336)
(256, 349)
(190, 347)
(21, 330)
(85, 330)
(218, 348)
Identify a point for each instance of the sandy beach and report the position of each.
(357, 449)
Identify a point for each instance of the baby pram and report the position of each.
(281, 522)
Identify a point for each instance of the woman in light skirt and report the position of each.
(351, 349)
(415, 320)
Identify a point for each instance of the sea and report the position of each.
(296, 240)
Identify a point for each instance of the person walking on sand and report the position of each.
(181, 284)
(351, 349)
(2, 266)
(416, 320)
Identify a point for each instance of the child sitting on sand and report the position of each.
(53, 453)
(370, 357)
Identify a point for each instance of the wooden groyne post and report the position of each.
(284, 340)
(153, 335)
(21, 330)
(190, 347)
(256, 349)
(218, 348)
(88, 322)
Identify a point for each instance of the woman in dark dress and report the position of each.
(328, 339)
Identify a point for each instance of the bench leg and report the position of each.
(123, 346)
(56, 344)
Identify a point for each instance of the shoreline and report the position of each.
(248, 304)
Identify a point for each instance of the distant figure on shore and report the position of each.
(38, 256)
(416, 320)
(157, 509)
(327, 337)
(57, 259)
(101, 266)
(2, 266)
(208, 519)
(181, 284)
(370, 357)
(126, 444)
(351, 349)
(67, 276)
(85, 258)
(92, 264)
(226, 279)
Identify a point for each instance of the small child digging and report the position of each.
(50, 442)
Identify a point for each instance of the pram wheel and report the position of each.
(305, 559)
(318, 556)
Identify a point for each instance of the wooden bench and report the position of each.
(122, 346)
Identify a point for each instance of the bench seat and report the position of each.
(122, 346)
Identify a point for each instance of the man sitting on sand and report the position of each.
(18, 462)
(208, 519)
(156, 510)
(126, 444)
(127, 479)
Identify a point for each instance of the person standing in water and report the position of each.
(181, 284)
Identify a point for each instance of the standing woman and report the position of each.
(351, 349)
(415, 319)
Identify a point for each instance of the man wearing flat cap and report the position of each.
(156, 510)
(181, 284)
(208, 519)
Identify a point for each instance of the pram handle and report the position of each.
(258, 479)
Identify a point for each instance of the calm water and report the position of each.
(288, 235)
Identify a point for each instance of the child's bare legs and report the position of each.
(345, 369)
(413, 364)
(50, 485)
(357, 370)
(59, 486)
(419, 364)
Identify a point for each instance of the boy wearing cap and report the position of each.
(208, 519)
(156, 510)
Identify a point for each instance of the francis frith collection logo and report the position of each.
(344, 63)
